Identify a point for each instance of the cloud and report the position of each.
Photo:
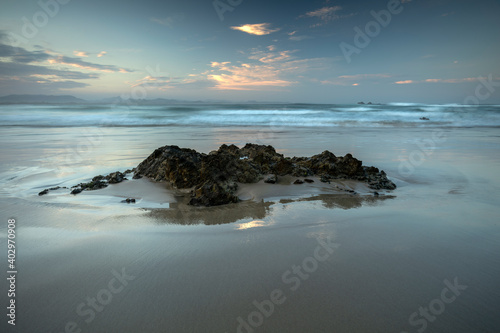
(168, 21)
(15, 85)
(12, 69)
(405, 82)
(353, 80)
(363, 76)
(18, 54)
(165, 82)
(460, 80)
(154, 81)
(265, 70)
(298, 38)
(101, 54)
(19, 63)
(295, 38)
(259, 29)
(268, 57)
(467, 79)
(16, 77)
(246, 77)
(76, 62)
(23, 70)
(325, 13)
(80, 53)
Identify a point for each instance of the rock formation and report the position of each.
(214, 176)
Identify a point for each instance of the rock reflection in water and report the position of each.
(181, 213)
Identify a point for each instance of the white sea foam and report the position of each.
(314, 115)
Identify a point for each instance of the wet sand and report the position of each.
(196, 269)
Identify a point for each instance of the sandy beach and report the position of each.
(230, 166)
(326, 261)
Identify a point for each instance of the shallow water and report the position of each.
(200, 270)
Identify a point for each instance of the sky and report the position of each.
(427, 51)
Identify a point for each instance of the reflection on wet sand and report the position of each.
(347, 201)
(181, 213)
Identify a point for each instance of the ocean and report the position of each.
(269, 115)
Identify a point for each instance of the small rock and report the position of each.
(137, 176)
(130, 200)
(309, 180)
(376, 194)
(43, 192)
(325, 179)
(76, 191)
(424, 118)
(271, 180)
(298, 181)
(115, 177)
(54, 188)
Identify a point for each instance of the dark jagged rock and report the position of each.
(325, 179)
(46, 191)
(213, 177)
(179, 166)
(300, 171)
(43, 192)
(76, 191)
(97, 183)
(113, 178)
(271, 180)
(213, 194)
